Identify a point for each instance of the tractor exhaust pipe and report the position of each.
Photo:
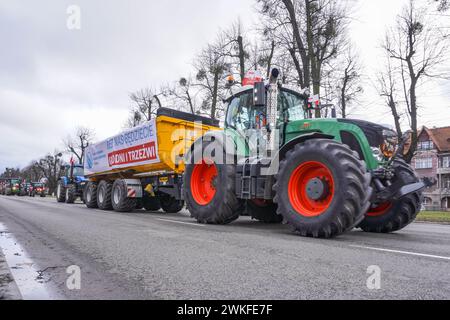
(272, 104)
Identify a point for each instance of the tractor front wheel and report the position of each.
(394, 215)
(60, 192)
(70, 193)
(322, 188)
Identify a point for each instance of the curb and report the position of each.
(8, 287)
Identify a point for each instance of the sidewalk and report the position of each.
(8, 288)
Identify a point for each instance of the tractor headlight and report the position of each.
(390, 143)
(377, 153)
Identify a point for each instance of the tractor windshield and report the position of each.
(242, 115)
(78, 171)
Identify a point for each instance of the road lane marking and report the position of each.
(182, 222)
(402, 252)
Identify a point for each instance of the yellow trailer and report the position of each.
(143, 166)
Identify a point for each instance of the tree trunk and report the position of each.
(240, 41)
(269, 59)
(214, 95)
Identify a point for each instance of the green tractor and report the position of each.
(323, 177)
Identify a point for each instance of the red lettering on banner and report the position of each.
(143, 152)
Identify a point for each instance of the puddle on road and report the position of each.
(28, 276)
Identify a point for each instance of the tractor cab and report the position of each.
(71, 184)
(73, 172)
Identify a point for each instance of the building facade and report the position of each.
(432, 164)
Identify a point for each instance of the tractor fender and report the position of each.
(300, 139)
(220, 139)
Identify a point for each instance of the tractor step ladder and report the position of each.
(246, 183)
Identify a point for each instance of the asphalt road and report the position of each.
(143, 255)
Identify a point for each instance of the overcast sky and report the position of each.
(53, 79)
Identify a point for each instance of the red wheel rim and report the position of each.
(380, 209)
(203, 182)
(297, 188)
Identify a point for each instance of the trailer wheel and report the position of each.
(60, 192)
(322, 188)
(209, 191)
(120, 200)
(151, 203)
(395, 215)
(70, 193)
(170, 205)
(90, 195)
(264, 211)
(104, 195)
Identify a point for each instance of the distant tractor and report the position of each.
(12, 187)
(71, 184)
(36, 189)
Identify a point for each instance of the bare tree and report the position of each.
(32, 172)
(10, 173)
(349, 81)
(182, 91)
(312, 31)
(418, 50)
(234, 47)
(387, 88)
(50, 166)
(145, 103)
(78, 143)
(211, 66)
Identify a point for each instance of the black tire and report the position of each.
(42, 196)
(60, 192)
(104, 195)
(90, 195)
(120, 200)
(70, 193)
(399, 213)
(170, 204)
(139, 204)
(224, 207)
(346, 204)
(151, 203)
(266, 212)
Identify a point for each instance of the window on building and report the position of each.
(446, 162)
(424, 163)
(425, 145)
(445, 182)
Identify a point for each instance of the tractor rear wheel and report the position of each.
(394, 215)
(170, 205)
(322, 188)
(60, 192)
(120, 200)
(70, 193)
(209, 190)
(104, 195)
(264, 211)
(90, 195)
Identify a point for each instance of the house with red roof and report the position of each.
(432, 164)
